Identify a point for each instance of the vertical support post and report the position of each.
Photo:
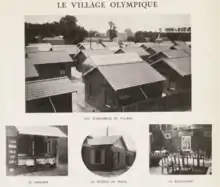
(51, 102)
(33, 146)
(57, 152)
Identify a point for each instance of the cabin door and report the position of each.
(110, 160)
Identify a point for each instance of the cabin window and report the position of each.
(62, 72)
(172, 85)
(98, 156)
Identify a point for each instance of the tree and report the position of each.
(67, 26)
(71, 32)
(112, 32)
(93, 33)
(131, 39)
(129, 32)
(139, 36)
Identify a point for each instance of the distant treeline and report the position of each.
(67, 27)
(142, 36)
(73, 33)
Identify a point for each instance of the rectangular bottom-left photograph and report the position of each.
(37, 150)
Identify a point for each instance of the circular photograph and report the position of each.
(108, 153)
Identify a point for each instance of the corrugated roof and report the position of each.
(163, 44)
(188, 51)
(130, 75)
(113, 49)
(49, 57)
(31, 49)
(112, 59)
(181, 45)
(90, 52)
(158, 48)
(48, 87)
(42, 46)
(70, 49)
(40, 131)
(175, 53)
(94, 45)
(130, 46)
(110, 44)
(104, 140)
(181, 65)
(166, 44)
(140, 51)
(30, 70)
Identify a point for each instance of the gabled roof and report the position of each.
(140, 51)
(110, 44)
(114, 59)
(93, 45)
(107, 140)
(104, 140)
(175, 53)
(166, 44)
(172, 54)
(161, 44)
(42, 46)
(188, 51)
(149, 44)
(90, 52)
(113, 49)
(181, 45)
(130, 75)
(30, 70)
(49, 57)
(70, 49)
(181, 65)
(48, 87)
(34, 130)
(158, 48)
(130, 46)
(31, 49)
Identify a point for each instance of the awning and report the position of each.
(40, 131)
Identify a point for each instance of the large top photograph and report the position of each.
(107, 63)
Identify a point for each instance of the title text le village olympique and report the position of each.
(112, 4)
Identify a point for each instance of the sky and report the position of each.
(112, 131)
(149, 22)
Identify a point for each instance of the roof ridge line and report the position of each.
(121, 63)
(50, 79)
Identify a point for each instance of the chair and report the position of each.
(166, 165)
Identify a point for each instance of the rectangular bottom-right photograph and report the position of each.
(180, 149)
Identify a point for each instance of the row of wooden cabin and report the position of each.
(113, 78)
